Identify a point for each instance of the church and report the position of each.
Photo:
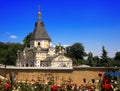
(41, 53)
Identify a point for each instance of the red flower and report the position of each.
(107, 86)
(69, 86)
(7, 85)
(105, 80)
(99, 74)
(54, 87)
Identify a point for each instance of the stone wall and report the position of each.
(76, 75)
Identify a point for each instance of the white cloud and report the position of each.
(13, 36)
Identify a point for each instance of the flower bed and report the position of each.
(110, 81)
(39, 86)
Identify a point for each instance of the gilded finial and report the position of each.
(39, 14)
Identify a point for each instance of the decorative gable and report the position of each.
(61, 58)
(61, 61)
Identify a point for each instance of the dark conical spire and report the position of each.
(39, 31)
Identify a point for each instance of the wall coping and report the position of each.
(36, 68)
(56, 68)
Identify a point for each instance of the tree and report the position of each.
(3, 56)
(111, 62)
(96, 60)
(76, 51)
(26, 40)
(104, 57)
(117, 59)
(8, 52)
(3, 45)
(117, 56)
(12, 56)
(90, 59)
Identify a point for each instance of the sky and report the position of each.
(94, 23)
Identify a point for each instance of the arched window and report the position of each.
(38, 43)
(31, 65)
(62, 65)
(26, 64)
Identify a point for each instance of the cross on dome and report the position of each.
(39, 13)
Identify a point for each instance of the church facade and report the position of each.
(41, 53)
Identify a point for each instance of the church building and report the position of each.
(41, 53)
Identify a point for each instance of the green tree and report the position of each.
(111, 62)
(76, 52)
(90, 59)
(117, 59)
(26, 40)
(3, 45)
(117, 56)
(104, 57)
(3, 56)
(8, 52)
(96, 60)
(12, 49)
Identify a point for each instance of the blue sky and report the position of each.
(93, 23)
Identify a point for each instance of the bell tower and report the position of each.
(40, 38)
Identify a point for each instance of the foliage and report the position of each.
(117, 56)
(26, 40)
(118, 82)
(117, 59)
(104, 57)
(76, 51)
(96, 61)
(78, 62)
(5, 85)
(90, 59)
(8, 52)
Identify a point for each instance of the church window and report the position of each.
(84, 80)
(62, 65)
(93, 80)
(38, 43)
(27, 65)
